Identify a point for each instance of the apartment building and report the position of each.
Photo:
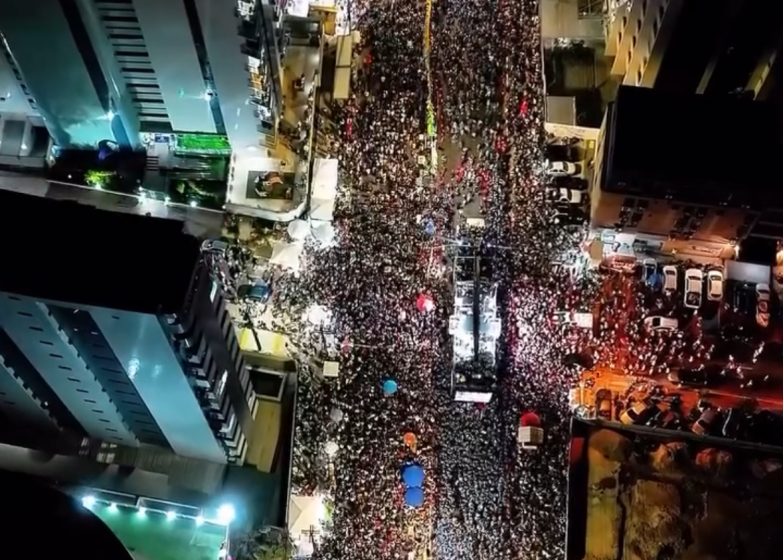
(111, 70)
(685, 173)
(116, 344)
(702, 46)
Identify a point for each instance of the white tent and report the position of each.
(322, 209)
(324, 232)
(286, 255)
(304, 514)
(298, 230)
(325, 176)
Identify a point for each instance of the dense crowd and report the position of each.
(485, 498)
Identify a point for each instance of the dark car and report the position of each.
(743, 300)
(560, 152)
(708, 376)
(765, 427)
(570, 183)
(667, 419)
(733, 424)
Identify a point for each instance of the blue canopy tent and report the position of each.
(414, 497)
(413, 475)
(390, 386)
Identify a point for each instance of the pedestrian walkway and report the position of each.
(271, 182)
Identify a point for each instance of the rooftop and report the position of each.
(151, 535)
(691, 141)
(95, 257)
(636, 493)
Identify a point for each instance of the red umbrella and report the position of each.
(530, 419)
(424, 303)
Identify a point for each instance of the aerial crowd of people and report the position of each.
(485, 498)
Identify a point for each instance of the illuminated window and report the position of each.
(213, 293)
(221, 386)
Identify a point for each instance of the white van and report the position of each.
(659, 323)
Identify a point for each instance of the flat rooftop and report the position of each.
(668, 495)
(694, 141)
(152, 536)
(89, 256)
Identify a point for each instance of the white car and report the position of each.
(568, 196)
(659, 323)
(670, 278)
(693, 287)
(714, 285)
(561, 168)
(762, 305)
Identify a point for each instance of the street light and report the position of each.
(226, 514)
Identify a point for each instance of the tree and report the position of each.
(267, 543)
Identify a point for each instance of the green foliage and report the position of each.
(268, 543)
(97, 178)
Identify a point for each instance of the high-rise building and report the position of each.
(110, 70)
(114, 335)
(695, 46)
(687, 173)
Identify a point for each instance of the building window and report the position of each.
(655, 27)
(638, 77)
(221, 386)
(633, 42)
(638, 25)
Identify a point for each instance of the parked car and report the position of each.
(707, 422)
(640, 413)
(568, 196)
(708, 376)
(762, 305)
(733, 424)
(669, 279)
(742, 300)
(562, 168)
(573, 183)
(603, 404)
(659, 323)
(559, 152)
(714, 285)
(693, 287)
(667, 419)
(649, 271)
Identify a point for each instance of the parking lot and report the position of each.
(679, 346)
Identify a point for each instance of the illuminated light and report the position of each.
(171, 515)
(226, 514)
(88, 501)
(193, 203)
(167, 200)
(143, 196)
(110, 115)
(112, 507)
(142, 512)
(98, 187)
(199, 520)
